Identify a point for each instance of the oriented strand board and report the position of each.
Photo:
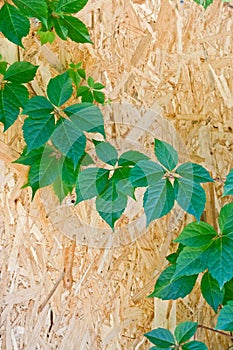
(168, 70)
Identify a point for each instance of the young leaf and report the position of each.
(13, 24)
(60, 89)
(106, 152)
(190, 196)
(3, 67)
(204, 3)
(38, 107)
(77, 31)
(166, 288)
(145, 173)
(228, 187)
(185, 330)
(194, 172)
(166, 154)
(131, 158)
(225, 318)
(161, 337)
(8, 111)
(46, 37)
(37, 132)
(33, 8)
(99, 96)
(86, 117)
(69, 140)
(85, 93)
(196, 234)
(194, 344)
(211, 291)
(226, 219)
(158, 200)
(70, 6)
(20, 72)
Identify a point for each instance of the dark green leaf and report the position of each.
(226, 219)
(185, 330)
(161, 337)
(228, 291)
(17, 93)
(75, 77)
(166, 288)
(77, 31)
(38, 107)
(158, 200)
(85, 93)
(106, 152)
(190, 196)
(194, 172)
(86, 117)
(60, 28)
(29, 158)
(60, 89)
(70, 6)
(8, 111)
(37, 132)
(33, 8)
(172, 258)
(131, 158)
(204, 3)
(145, 173)
(196, 234)
(228, 187)
(225, 318)
(99, 96)
(211, 291)
(158, 348)
(166, 154)
(13, 24)
(122, 183)
(194, 345)
(69, 140)
(20, 72)
(90, 183)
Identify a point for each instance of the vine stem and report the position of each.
(215, 330)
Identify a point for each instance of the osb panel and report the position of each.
(57, 293)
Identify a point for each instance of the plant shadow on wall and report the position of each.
(58, 135)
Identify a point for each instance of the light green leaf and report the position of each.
(131, 158)
(158, 200)
(225, 318)
(90, 183)
(204, 3)
(46, 37)
(98, 86)
(196, 234)
(145, 173)
(38, 107)
(194, 172)
(37, 132)
(194, 345)
(69, 140)
(166, 154)
(86, 117)
(60, 89)
(8, 111)
(33, 8)
(13, 24)
(185, 330)
(226, 219)
(99, 96)
(3, 67)
(190, 196)
(228, 186)
(106, 152)
(77, 31)
(17, 93)
(20, 72)
(166, 288)
(161, 337)
(60, 188)
(211, 291)
(70, 6)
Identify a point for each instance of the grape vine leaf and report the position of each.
(185, 330)
(33, 8)
(77, 31)
(166, 154)
(204, 3)
(225, 318)
(196, 234)
(60, 89)
(131, 158)
(8, 110)
(20, 72)
(38, 107)
(70, 6)
(17, 93)
(145, 173)
(194, 345)
(226, 219)
(106, 152)
(228, 186)
(161, 337)
(194, 172)
(211, 291)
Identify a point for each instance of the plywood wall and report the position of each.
(66, 281)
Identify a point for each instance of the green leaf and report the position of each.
(158, 200)
(90, 183)
(122, 183)
(20, 72)
(106, 152)
(46, 37)
(226, 219)
(65, 180)
(69, 140)
(145, 173)
(90, 82)
(85, 93)
(194, 172)
(204, 3)
(60, 28)
(3, 67)
(228, 291)
(70, 6)
(8, 111)
(60, 188)
(98, 86)
(77, 31)
(185, 330)
(131, 158)
(86, 117)
(158, 348)
(38, 107)
(33, 8)
(228, 186)
(99, 96)
(225, 318)
(190, 196)
(37, 132)
(166, 288)
(60, 89)
(161, 337)
(29, 158)
(166, 154)
(172, 258)
(211, 291)
(196, 234)
(194, 345)
(75, 77)
(17, 93)
(13, 24)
